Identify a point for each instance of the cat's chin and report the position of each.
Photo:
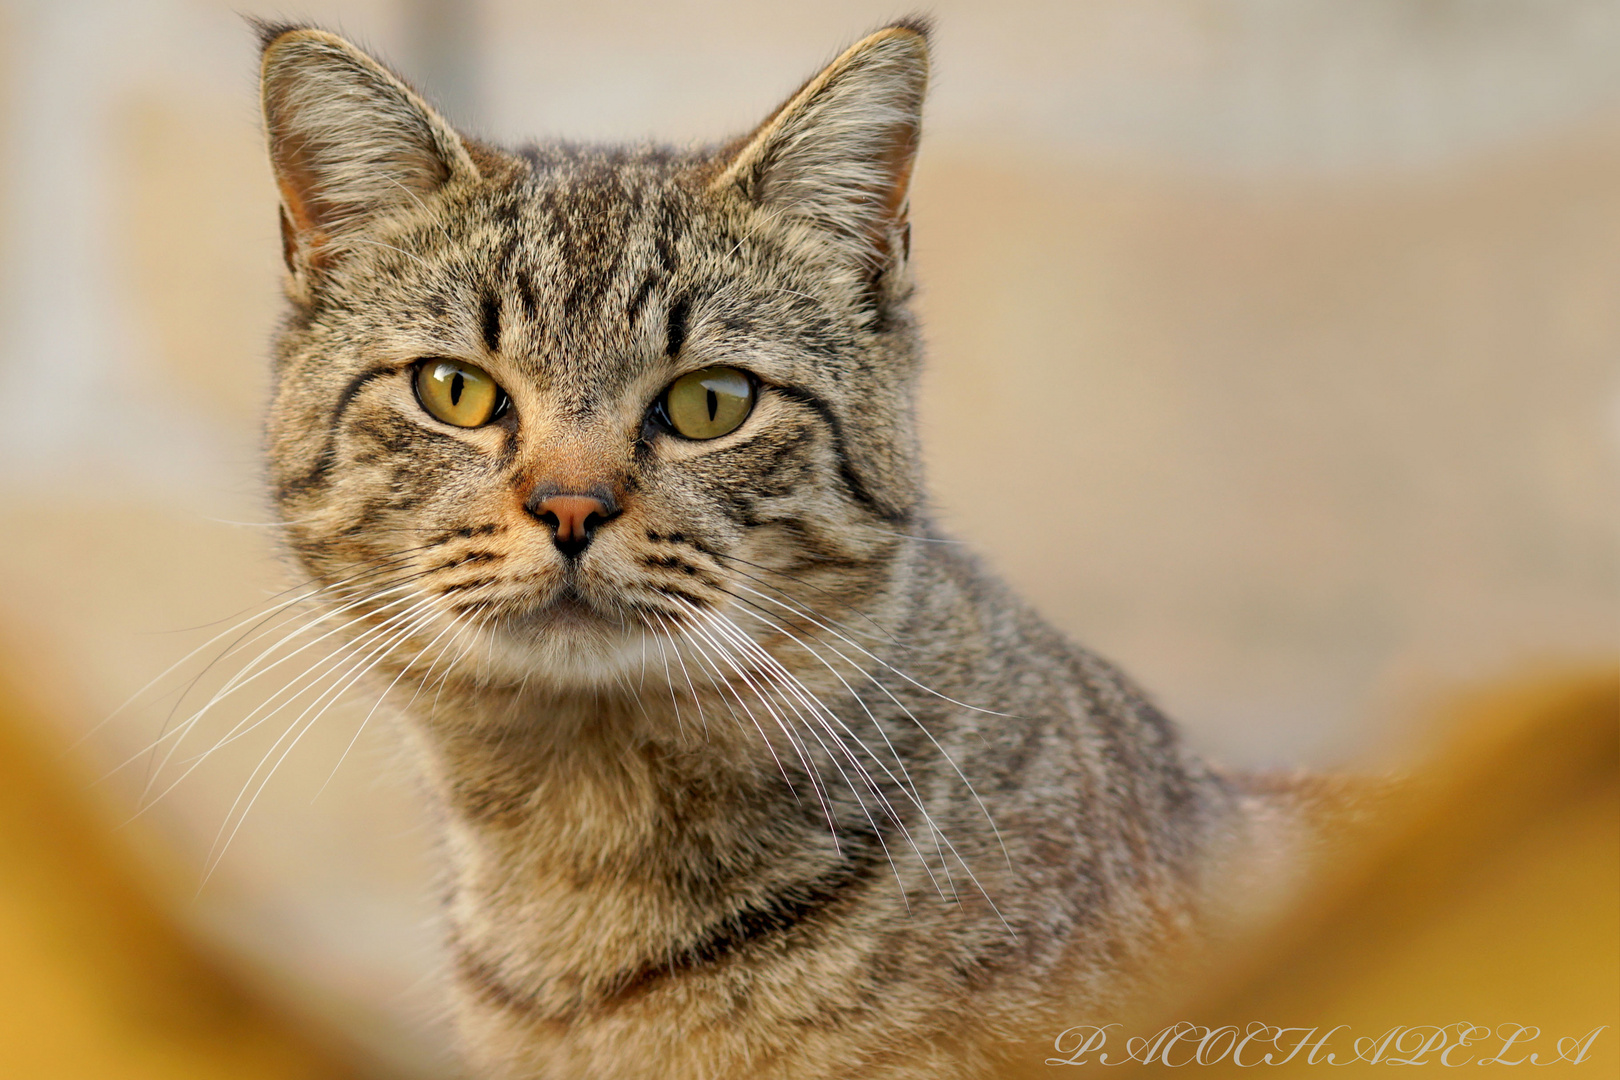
(570, 644)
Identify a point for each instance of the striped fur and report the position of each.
(768, 782)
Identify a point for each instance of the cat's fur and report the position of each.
(766, 783)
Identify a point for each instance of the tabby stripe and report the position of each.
(525, 291)
(351, 391)
(471, 558)
(327, 458)
(667, 237)
(771, 916)
(679, 594)
(462, 586)
(490, 322)
(466, 533)
(676, 331)
(640, 299)
(482, 978)
(790, 907)
(852, 480)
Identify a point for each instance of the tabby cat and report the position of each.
(607, 456)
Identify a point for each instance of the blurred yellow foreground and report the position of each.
(1485, 903)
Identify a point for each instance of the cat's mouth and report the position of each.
(568, 610)
(568, 637)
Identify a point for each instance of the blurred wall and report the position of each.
(1273, 354)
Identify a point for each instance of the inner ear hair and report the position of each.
(349, 141)
(838, 154)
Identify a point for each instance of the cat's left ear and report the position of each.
(838, 154)
(350, 143)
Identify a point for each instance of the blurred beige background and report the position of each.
(1274, 354)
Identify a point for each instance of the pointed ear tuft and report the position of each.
(349, 141)
(919, 24)
(267, 30)
(838, 154)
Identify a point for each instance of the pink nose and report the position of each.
(573, 520)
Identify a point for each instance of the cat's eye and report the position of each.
(458, 393)
(709, 403)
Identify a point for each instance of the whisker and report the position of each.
(904, 782)
(454, 624)
(249, 614)
(818, 713)
(444, 677)
(856, 645)
(366, 569)
(762, 583)
(299, 685)
(263, 627)
(252, 671)
(934, 829)
(726, 692)
(938, 833)
(816, 707)
(378, 243)
(669, 678)
(912, 716)
(422, 683)
(750, 643)
(816, 784)
(908, 536)
(769, 746)
(696, 702)
(329, 696)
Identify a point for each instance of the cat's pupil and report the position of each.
(714, 404)
(459, 381)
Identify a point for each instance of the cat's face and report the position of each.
(533, 410)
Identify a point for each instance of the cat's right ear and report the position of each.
(349, 142)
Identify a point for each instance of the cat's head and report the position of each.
(548, 403)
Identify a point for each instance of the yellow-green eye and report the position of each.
(458, 393)
(709, 403)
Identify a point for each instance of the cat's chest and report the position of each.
(572, 803)
(568, 883)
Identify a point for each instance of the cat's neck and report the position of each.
(500, 757)
(563, 811)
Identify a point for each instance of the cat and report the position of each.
(608, 458)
